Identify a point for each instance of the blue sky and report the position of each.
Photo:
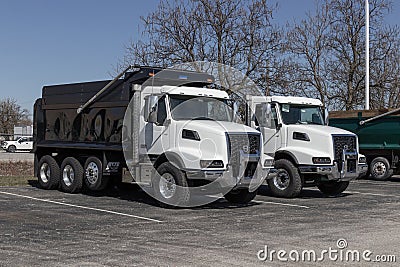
(45, 42)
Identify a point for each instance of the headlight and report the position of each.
(300, 136)
(321, 160)
(362, 160)
(269, 163)
(190, 134)
(211, 164)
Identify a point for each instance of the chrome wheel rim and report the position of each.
(68, 175)
(44, 173)
(167, 186)
(282, 180)
(92, 173)
(379, 169)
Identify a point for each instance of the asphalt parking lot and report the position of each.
(126, 228)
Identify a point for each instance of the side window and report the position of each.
(258, 115)
(265, 119)
(162, 111)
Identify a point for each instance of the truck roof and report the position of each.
(194, 91)
(288, 100)
(75, 94)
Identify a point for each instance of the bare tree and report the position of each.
(327, 51)
(12, 114)
(237, 33)
(308, 43)
(347, 42)
(385, 72)
(321, 56)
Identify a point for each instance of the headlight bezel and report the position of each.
(211, 164)
(321, 160)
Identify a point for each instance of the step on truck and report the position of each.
(307, 152)
(378, 136)
(170, 131)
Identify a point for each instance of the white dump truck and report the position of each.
(165, 126)
(307, 152)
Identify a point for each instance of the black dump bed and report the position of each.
(57, 123)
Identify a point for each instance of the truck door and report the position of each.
(266, 121)
(24, 144)
(156, 129)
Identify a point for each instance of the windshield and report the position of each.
(301, 114)
(199, 108)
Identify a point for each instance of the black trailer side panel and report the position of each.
(99, 123)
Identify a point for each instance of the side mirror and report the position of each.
(235, 107)
(267, 109)
(266, 114)
(235, 111)
(326, 116)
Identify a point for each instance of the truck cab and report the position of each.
(307, 152)
(191, 131)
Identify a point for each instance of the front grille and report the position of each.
(343, 142)
(247, 144)
(351, 165)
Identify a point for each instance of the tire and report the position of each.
(11, 149)
(170, 186)
(48, 173)
(240, 196)
(380, 169)
(287, 182)
(71, 175)
(333, 188)
(93, 175)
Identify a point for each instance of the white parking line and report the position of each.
(82, 207)
(269, 202)
(282, 204)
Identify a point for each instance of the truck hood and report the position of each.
(217, 127)
(321, 130)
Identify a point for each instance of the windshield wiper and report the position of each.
(203, 118)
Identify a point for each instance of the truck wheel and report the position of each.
(93, 176)
(240, 196)
(11, 149)
(333, 188)
(287, 182)
(170, 186)
(71, 175)
(48, 173)
(380, 169)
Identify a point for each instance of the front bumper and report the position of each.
(226, 178)
(332, 173)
